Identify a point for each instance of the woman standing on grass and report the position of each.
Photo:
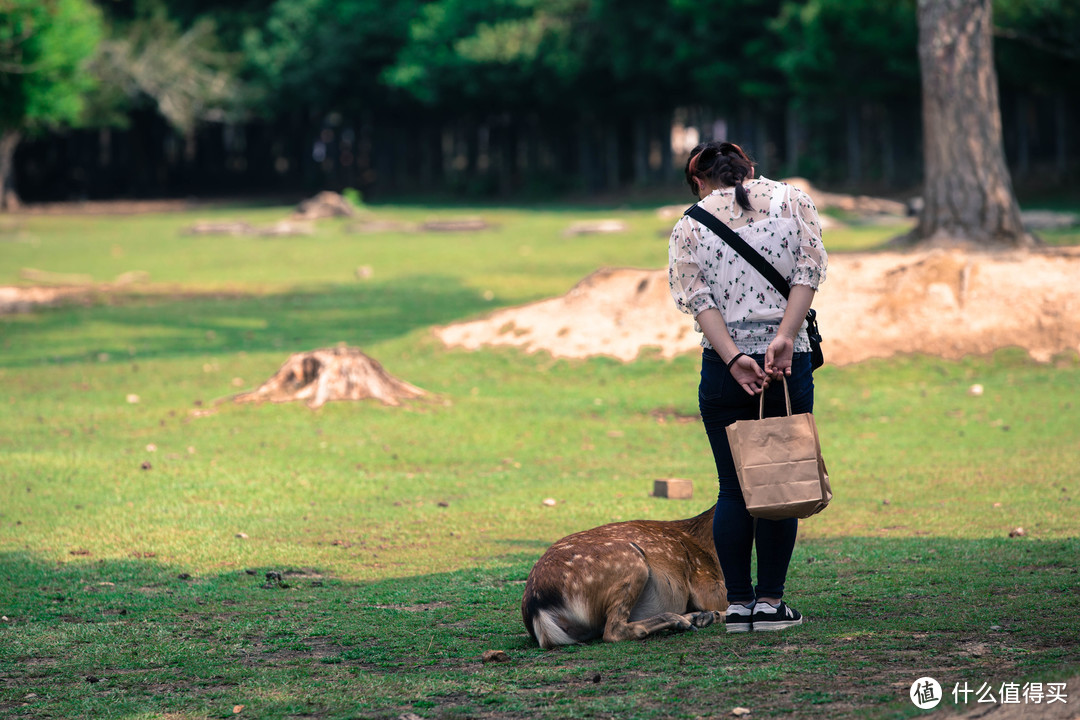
(752, 335)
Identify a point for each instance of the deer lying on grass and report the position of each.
(626, 580)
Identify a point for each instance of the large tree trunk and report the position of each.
(9, 140)
(967, 191)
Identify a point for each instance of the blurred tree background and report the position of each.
(496, 98)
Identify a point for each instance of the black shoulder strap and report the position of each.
(739, 245)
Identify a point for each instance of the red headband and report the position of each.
(693, 163)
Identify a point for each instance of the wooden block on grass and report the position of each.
(673, 488)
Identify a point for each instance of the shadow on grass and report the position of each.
(123, 638)
(169, 326)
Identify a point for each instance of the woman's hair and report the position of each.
(721, 163)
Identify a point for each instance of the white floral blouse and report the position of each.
(705, 272)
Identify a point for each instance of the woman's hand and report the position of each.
(749, 375)
(778, 357)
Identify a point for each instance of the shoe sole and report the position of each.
(769, 626)
(739, 627)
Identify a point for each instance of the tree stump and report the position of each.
(341, 373)
(324, 205)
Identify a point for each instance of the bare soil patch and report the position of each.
(943, 302)
(15, 299)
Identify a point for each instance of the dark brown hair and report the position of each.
(721, 163)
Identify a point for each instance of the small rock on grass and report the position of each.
(740, 712)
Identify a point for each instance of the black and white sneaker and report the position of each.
(767, 617)
(738, 618)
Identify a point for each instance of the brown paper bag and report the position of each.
(781, 471)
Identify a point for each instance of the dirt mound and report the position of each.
(614, 311)
(947, 303)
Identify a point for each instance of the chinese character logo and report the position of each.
(925, 693)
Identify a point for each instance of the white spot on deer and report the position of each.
(548, 632)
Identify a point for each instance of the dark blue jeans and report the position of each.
(735, 531)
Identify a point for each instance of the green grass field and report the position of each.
(136, 537)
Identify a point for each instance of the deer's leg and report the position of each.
(703, 618)
(621, 601)
(709, 594)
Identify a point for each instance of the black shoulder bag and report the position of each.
(752, 256)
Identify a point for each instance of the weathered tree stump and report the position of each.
(324, 205)
(341, 373)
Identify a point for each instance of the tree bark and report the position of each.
(9, 140)
(967, 190)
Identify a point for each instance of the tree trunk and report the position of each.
(641, 151)
(888, 146)
(854, 144)
(9, 140)
(667, 159)
(1060, 132)
(1022, 162)
(611, 159)
(793, 128)
(967, 190)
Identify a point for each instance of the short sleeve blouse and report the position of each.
(705, 272)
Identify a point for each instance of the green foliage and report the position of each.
(1038, 45)
(498, 53)
(326, 54)
(591, 56)
(183, 72)
(848, 48)
(730, 53)
(44, 50)
(354, 197)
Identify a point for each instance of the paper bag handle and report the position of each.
(787, 400)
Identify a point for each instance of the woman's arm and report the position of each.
(778, 356)
(746, 371)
